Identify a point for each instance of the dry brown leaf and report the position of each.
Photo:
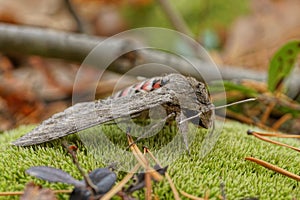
(35, 192)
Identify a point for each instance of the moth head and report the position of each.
(203, 104)
(206, 119)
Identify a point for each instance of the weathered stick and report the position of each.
(27, 40)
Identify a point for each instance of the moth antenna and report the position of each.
(216, 108)
(234, 103)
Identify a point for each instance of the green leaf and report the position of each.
(247, 91)
(282, 64)
(218, 86)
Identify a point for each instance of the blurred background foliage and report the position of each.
(200, 16)
(259, 35)
(241, 35)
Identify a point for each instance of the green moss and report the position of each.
(199, 15)
(189, 172)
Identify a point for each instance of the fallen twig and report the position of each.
(81, 26)
(279, 135)
(174, 190)
(190, 196)
(86, 177)
(18, 193)
(148, 182)
(267, 112)
(274, 168)
(27, 40)
(121, 184)
(174, 17)
(282, 120)
(249, 132)
(141, 159)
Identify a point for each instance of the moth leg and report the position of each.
(149, 132)
(183, 129)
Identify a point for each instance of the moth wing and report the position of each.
(88, 114)
(53, 175)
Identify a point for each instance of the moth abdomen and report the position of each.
(144, 86)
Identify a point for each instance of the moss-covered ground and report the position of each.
(190, 173)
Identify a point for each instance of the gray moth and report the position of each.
(179, 95)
